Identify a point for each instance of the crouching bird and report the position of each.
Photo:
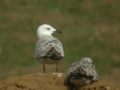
(81, 73)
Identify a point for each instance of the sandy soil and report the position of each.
(49, 81)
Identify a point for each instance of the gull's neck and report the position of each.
(45, 36)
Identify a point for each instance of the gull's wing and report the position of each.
(49, 48)
(89, 71)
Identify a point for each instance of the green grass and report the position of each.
(91, 28)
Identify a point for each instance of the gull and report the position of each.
(81, 73)
(49, 50)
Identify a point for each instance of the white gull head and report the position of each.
(86, 60)
(45, 29)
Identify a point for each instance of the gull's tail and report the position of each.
(53, 54)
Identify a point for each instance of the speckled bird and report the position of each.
(81, 73)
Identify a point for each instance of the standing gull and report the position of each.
(81, 73)
(49, 49)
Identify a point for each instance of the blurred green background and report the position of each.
(91, 28)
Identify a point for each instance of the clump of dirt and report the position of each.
(49, 81)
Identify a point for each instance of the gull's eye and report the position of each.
(48, 28)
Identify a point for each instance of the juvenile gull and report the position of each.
(81, 73)
(49, 50)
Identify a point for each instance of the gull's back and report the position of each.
(49, 49)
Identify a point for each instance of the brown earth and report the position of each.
(49, 81)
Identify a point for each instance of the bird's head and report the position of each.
(46, 29)
(86, 60)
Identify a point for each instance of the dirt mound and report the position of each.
(42, 81)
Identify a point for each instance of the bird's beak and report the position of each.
(59, 31)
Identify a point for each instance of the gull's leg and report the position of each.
(44, 68)
(56, 67)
